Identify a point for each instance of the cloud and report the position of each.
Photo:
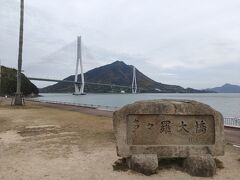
(167, 74)
(158, 37)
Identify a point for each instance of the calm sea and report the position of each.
(227, 104)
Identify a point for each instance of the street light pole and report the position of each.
(18, 95)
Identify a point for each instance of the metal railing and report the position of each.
(232, 122)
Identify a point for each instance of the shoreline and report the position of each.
(74, 107)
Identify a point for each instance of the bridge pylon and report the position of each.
(134, 81)
(79, 91)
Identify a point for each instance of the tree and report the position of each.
(18, 95)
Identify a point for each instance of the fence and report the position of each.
(232, 122)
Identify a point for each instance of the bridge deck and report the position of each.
(74, 82)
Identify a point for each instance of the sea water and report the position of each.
(227, 103)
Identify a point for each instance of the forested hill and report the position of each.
(9, 82)
(117, 73)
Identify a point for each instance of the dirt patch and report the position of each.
(10, 137)
(38, 130)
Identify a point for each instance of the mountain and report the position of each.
(226, 88)
(9, 83)
(117, 73)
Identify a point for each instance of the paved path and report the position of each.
(232, 135)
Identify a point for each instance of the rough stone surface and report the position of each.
(120, 165)
(143, 163)
(203, 166)
(168, 128)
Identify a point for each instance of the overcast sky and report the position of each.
(192, 43)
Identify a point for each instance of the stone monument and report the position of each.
(146, 131)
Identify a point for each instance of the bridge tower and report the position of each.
(79, 59)
(134, 81)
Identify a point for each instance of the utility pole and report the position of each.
(0, 77)
(18, 96)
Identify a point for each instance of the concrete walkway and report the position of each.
(232, 135)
